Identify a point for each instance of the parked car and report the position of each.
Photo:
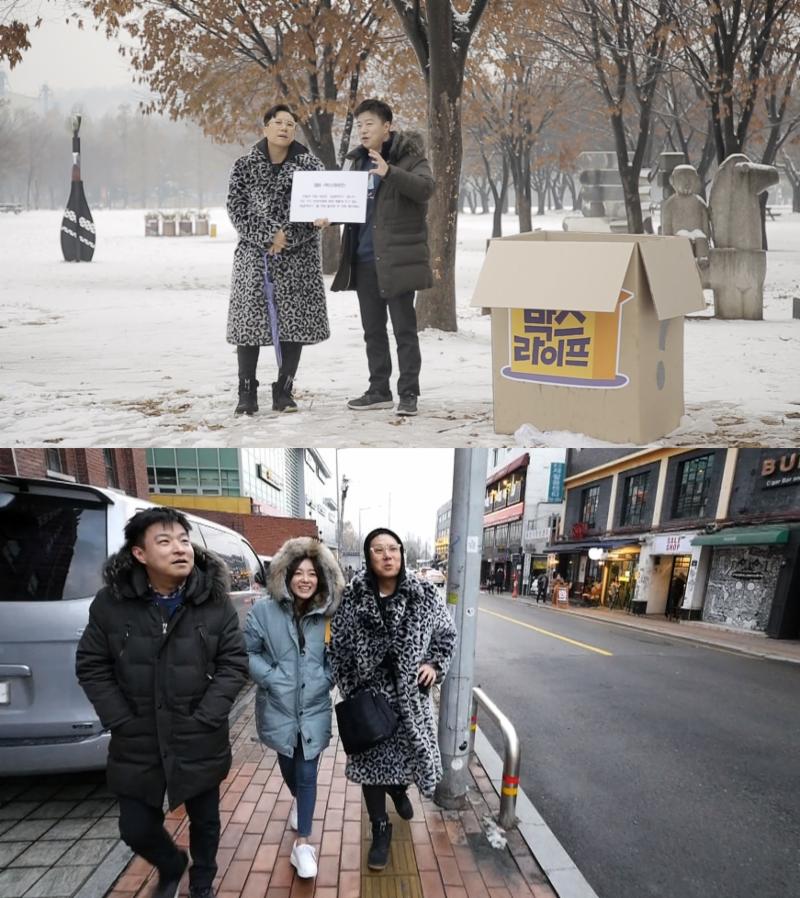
(433, 575)
(54, 538)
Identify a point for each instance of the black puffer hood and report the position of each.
(330, 592)
(399, 144)
(127, 579)
(370, 574)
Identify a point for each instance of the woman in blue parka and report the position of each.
(286, 636)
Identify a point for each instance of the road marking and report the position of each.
(581, 645)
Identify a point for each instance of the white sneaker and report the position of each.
(293, 815)
(304, 860)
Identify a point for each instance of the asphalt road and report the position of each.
(665, 768)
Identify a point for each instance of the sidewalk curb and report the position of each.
(654, 631)
(104, 876)
(558, 866)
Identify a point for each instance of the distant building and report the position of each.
(522, 507)
(442, 543)
(270, 482)
(122, 469)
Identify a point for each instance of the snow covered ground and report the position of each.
(130, 350)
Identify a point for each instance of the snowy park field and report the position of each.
(130, 350)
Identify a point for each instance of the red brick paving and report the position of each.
(452, 856)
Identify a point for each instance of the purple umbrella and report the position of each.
(272, 310)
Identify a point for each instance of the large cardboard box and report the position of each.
(587, 331)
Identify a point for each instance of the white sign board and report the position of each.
(673, 544)
(339, 196)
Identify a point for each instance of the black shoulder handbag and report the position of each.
(365, 720)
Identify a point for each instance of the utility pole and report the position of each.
(340, 522)
(463, 580)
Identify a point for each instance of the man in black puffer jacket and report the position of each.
(386, 259)
(162, 660)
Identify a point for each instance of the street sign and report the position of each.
(555, 491)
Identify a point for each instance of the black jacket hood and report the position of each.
(127, 579)
(399, 144)
(295, 149)
(370, 574)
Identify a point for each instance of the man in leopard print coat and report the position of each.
(393, 633)
(259, 199)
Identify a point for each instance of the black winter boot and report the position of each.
(378, 856)
(402, 803)
(282, 400)
(248, 396)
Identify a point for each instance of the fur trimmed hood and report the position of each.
(400, 144)
(126, 577)
(330, 592)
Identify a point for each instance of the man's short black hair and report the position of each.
(381, 109)
(138, 525)
(274, 110)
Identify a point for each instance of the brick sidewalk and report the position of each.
(439, 854)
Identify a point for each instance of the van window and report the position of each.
(230, 549)
(252, 562)
(51, 547)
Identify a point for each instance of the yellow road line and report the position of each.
(581, 645)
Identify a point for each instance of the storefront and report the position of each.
(672, 575)
(599, 571)
(754, 579)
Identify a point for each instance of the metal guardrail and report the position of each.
(509, 786)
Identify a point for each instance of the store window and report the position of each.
(694, 479)
(591, 499)
(501, 536)
(488, 539)
(634, 501)
(515, 534)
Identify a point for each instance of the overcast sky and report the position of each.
(64, 57)
(399, 488)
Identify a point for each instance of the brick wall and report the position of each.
(30, 462)
(266, 533)
(86, 465)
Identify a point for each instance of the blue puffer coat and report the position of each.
(291, 668)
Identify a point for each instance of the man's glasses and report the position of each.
(385, 550)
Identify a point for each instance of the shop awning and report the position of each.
(744, 536)
(583, 545)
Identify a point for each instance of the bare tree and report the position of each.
(440, 36)
(621, 47)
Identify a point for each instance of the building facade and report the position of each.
(522, 506)
(442, 543)
(708, 534)
(122, 469)
(269, 482)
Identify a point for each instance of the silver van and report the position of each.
(54, 539)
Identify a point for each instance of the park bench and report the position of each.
(16, 208)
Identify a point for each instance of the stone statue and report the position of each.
(685, 213)
(738, 263)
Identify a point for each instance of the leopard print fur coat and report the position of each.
(365, 645)
(258, 206)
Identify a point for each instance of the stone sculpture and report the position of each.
(685, 213)
(738, 262)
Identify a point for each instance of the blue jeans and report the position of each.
(300, 776)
